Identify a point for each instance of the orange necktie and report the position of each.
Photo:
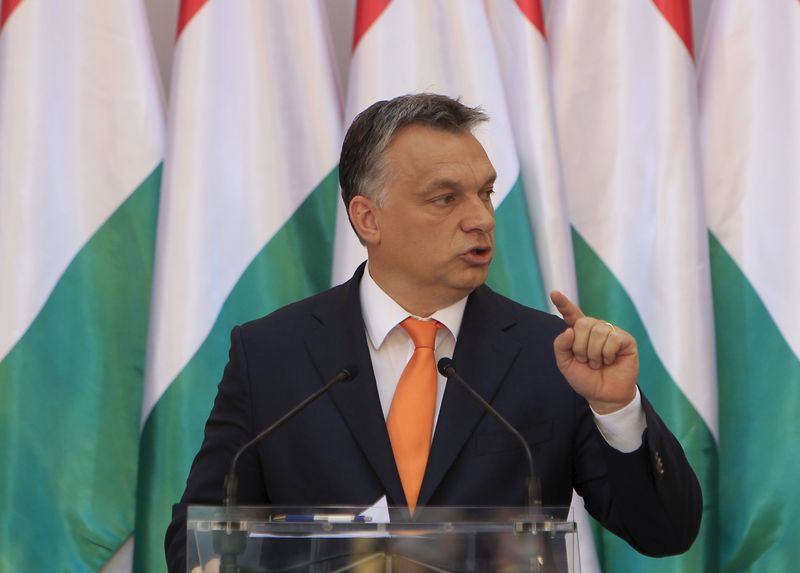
(410, 420)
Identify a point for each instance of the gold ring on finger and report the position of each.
(611, 325)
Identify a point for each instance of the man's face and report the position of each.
(435, 227)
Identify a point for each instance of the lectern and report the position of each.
(343, 539)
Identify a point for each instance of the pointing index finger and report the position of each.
(568, 309)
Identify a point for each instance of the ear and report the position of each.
(363, 217)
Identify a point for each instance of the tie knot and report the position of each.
(422, 332)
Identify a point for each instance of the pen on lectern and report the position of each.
(324, 518)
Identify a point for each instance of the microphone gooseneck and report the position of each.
(231, 480)
(447, 368)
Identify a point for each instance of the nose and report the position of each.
(478, 215)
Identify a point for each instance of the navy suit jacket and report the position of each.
(337, 451)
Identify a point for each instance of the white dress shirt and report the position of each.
(390, 348)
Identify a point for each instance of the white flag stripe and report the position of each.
(752, 168)
(616, 166)
(451, 53)
(122, 560)
(238, 164)
(59, 117)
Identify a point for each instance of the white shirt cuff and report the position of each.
(623, 429)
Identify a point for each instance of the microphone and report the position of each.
(231, 480)
(448, 369)
(230, 543)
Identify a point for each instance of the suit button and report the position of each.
(659, 466)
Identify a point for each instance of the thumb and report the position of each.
(562, 347)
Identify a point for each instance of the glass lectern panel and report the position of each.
(345, 539)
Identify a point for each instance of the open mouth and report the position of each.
(479, 255)
(480, 250)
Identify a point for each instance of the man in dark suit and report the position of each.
(418, 188)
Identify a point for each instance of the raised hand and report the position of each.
(600, 361)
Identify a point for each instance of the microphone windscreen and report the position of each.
(444, 365)
(350, 371)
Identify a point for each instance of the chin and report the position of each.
(474, 279)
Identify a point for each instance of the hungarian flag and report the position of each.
(81, 145)
(749, 94)
(246, 216)
(625, 93)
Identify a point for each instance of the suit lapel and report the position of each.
(339, 341)
(483, 355)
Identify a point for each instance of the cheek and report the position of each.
(419, 241)
(404, 242)
(405, 232)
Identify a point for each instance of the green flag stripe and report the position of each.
(70, 395)
(601, 294)
(515, 269)
(759, 401)
(296, 263)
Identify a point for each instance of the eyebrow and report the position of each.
(447, 183)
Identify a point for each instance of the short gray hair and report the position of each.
(362, 164)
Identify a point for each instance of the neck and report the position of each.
(412, 298)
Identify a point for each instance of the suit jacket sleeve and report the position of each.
(650, 497)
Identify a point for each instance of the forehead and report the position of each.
(422, 152)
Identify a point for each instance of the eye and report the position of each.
(444, 199)
(486, 194)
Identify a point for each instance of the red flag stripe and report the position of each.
(367, 11)
(533, 12)
(187, 11)
(679, 15)
(6, 7)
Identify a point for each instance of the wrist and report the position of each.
(604, 408)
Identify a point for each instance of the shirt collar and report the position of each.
(382, 313)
